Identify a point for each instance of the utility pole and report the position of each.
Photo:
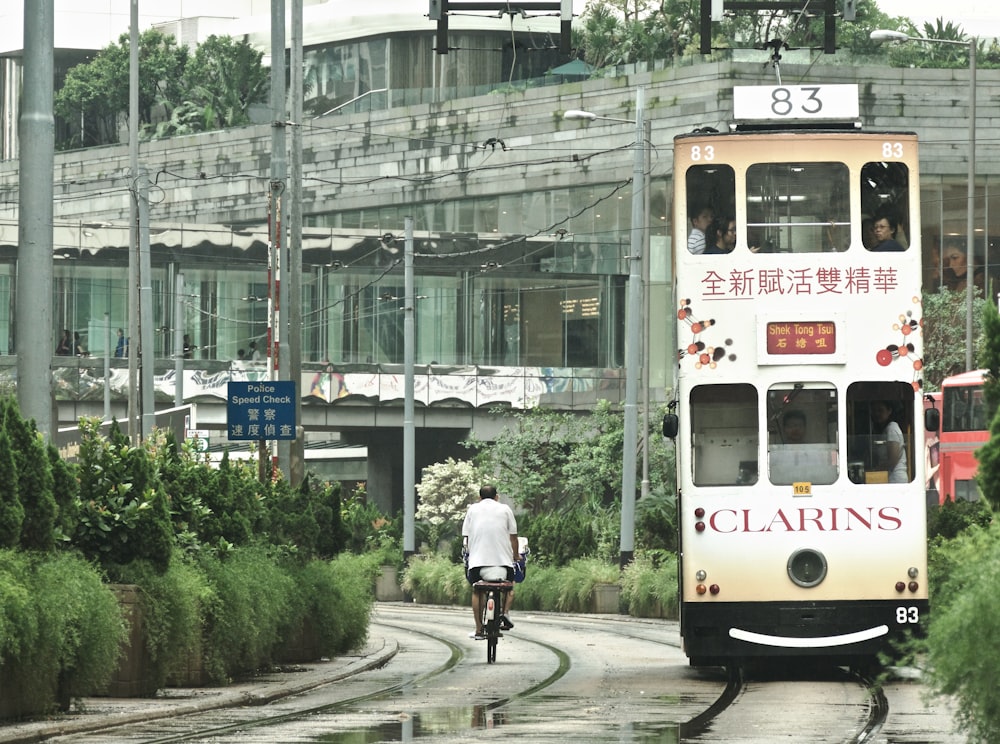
(33, 329)
(276, 343)
(297, 465)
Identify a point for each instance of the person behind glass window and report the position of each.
(701, 218)
(793, 427)
(956, 271)
(885, 227)
(891, 449)
(723, 234)
(65, 345)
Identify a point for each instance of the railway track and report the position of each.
(557, 677)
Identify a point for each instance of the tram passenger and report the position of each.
(892, 452)
(701, 218)
(724, 233)
(793, 427)
(885, 228)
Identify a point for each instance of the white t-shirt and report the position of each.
(488, 526)
(899, 473)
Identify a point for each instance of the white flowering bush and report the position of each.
(445, 491)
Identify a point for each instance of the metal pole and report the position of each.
(179, 340)
(970, 208)
(647, 145)
(279, 172)
(33, 314)
(633, 326)
(296, 466)
(107, 367)
(133, 254)
(147, 348)
(409, 434)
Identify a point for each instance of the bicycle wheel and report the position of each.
(492, 637)
(491, 626)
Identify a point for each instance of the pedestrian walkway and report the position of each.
(95, 713)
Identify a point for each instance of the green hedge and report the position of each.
(60, 631)
(649, 587)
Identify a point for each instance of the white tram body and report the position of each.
(801, 497)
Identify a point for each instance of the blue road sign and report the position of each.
(261, 410)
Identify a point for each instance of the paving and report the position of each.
(95, 713)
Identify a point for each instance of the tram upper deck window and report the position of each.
(724, 440)
(885, 206)
(711, 194)
(802, 433)
(798, 207)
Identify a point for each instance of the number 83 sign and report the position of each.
(788, 102)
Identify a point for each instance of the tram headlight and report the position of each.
(700, 574)
(913, 572)
(807, 567)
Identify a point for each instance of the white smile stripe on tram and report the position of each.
(821, 642)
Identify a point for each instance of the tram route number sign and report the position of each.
(261, 410)
(788, 102)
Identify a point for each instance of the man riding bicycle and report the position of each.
(489, 533)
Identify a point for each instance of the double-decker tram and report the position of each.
(799, 423)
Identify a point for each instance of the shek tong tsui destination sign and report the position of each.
(261, 410)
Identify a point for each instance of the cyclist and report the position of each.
(489, 534)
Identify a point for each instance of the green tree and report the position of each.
(223, 78)
(11, 511)
(990, 357)
(66, 491)
(967, 611)
(34, 477)
(94, 98)
(551, 461)
(944, 335)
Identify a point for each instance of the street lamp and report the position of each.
(633, 324)
(885, 35)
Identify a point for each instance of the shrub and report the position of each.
(559, 538)
(434, 579)
(649, 587)
(566, 588)
(172, 606)
(338, 601)
(60, 629)
(962, 663)
(952, 517)
(247, 612)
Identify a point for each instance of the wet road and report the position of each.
(557, 678)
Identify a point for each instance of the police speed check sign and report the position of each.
(261, 410)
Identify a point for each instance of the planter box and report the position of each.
(131, 679)
(387, 585)
(604, 600)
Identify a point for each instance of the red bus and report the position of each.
(964, 429)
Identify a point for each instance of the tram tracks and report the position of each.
(429, 649)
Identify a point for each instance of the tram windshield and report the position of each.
(802, 433)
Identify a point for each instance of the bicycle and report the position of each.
(494, 599)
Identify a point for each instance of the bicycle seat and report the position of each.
(501, 585)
